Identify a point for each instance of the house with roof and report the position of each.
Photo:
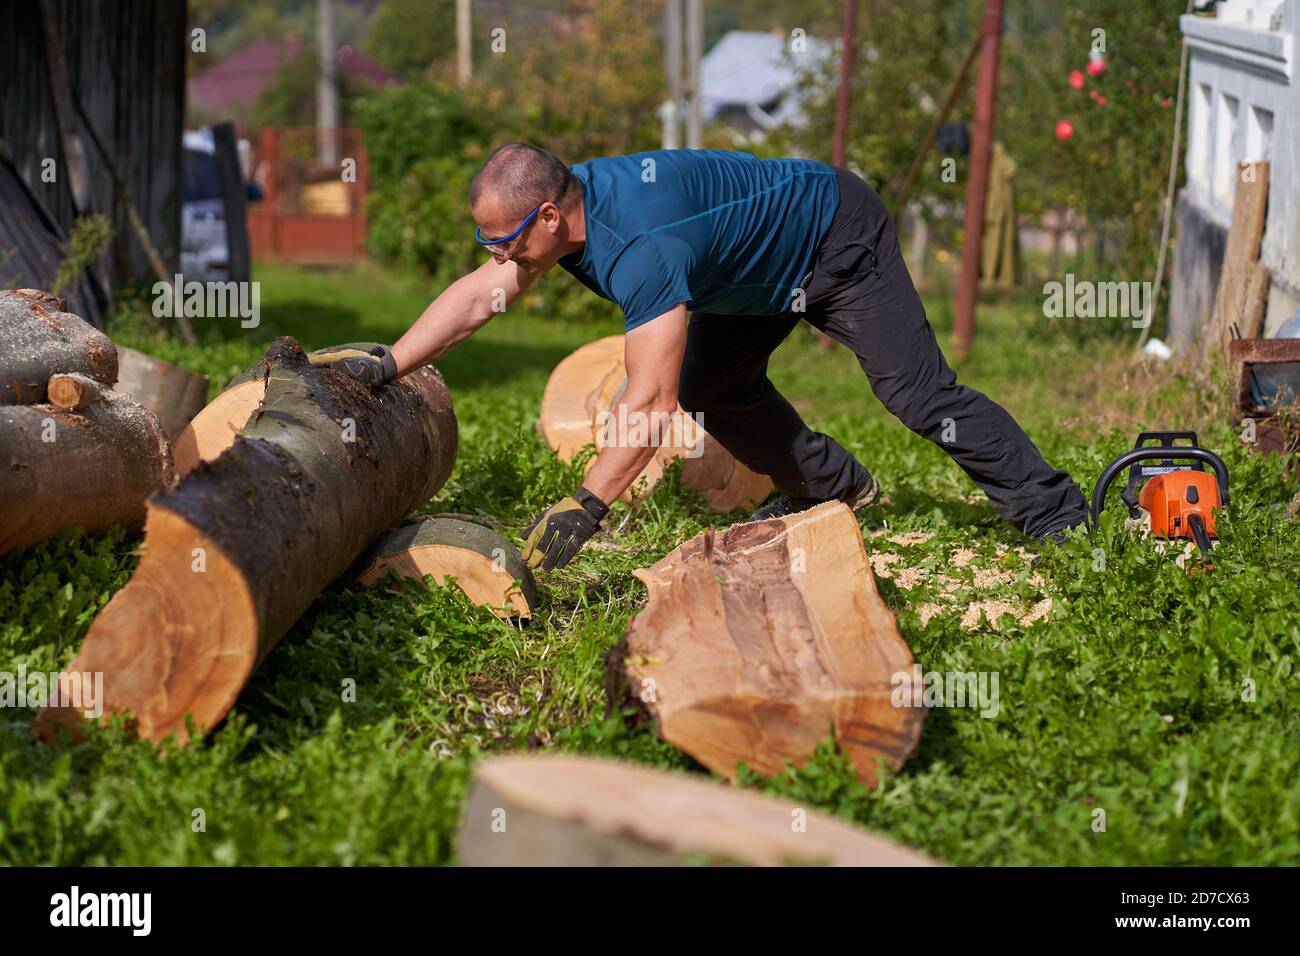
(229, 89)
(1243, 97)
(750, 81)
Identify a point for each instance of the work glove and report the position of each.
(374, 368)
(557, 534)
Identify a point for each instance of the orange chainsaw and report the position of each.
(1181, 499)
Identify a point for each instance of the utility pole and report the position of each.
(846, 74)
(694, 51)
(464, 66)
(672, 138)
(327, 92)
(986, 92)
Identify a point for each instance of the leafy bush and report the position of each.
(425, 143)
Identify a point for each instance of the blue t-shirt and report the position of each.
(721, 231)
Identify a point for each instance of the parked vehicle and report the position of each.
(204, 255)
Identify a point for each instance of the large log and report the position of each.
(237, 551)
(758, 641)
(39, 338)
(485, 566)
(88, 460)
(578, 409)
(563, 810)
(173, 393)
(215, 428)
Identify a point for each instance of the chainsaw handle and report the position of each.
(1150, 453)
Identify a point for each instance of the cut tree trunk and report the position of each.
(172, 393)
(214, 429)
(485, 565)
(237, 551)
(577, 410)
(566, 810)
(756, 642)
(89, 460)
(40, 338)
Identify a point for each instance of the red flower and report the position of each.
(1096, 67)
(1077, 80)
(1064, 130)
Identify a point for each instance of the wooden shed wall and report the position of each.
(126, 63)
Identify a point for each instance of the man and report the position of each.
(748, 247)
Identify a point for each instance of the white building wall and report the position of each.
(1243, 104)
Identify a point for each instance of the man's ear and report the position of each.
(551, 217)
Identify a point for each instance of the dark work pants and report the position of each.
(860, 294)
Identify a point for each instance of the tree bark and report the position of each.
(485, 565)
(39, 338)
(243, 544)
(758, 641)
(568, 810)
(173, 393)
(583, 393)
(90, 464)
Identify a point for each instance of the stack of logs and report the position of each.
(74, 451)
(289, 479)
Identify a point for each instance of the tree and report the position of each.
(408, 36)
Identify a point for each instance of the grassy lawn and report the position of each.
(1166, 700)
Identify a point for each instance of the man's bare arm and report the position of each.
(653, 356)
(463, 307)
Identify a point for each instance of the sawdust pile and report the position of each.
(983, 582)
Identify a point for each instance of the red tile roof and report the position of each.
(233, 85)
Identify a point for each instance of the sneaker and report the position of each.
(788, 505)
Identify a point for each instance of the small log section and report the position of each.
(40, 338)
(758, 641)
(1239, 292)
(584, 390)
(487, 567)
(90, 458)
(563, 810)
(173, 393)
(237, 551)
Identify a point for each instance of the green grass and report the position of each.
(1128, 698)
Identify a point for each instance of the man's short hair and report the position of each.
(523, 177)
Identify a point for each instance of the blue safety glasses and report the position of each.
(478, 235)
